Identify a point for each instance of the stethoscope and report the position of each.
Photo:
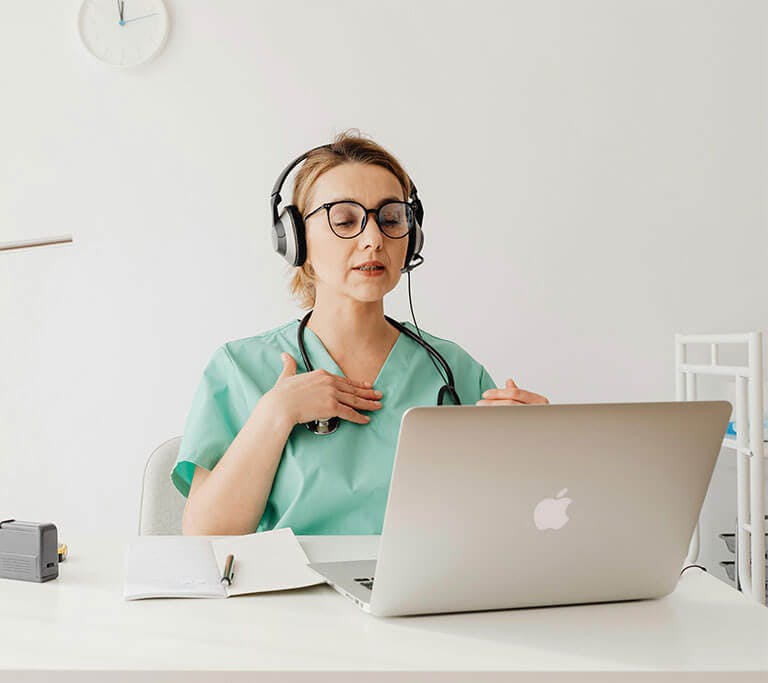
(331, 424)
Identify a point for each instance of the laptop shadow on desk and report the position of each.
(647, 633)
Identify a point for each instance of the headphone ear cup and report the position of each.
(297, 224)
(419, 239)
(418, 211)
(415, 243)
(288, 236)
(416, 237)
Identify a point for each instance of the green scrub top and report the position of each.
(333, 483)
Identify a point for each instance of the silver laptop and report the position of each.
(498, 507)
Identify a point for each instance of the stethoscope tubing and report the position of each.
(331, 424)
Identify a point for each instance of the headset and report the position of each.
(289, 240)
(289, 235)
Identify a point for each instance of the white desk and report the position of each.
(80, 622)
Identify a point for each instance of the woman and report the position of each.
(247, 462)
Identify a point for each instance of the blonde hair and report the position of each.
(348, 146)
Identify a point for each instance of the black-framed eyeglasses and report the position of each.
(347, 218)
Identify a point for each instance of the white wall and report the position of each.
(593, 174)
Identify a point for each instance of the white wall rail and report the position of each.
(37, 242)
(748, 445)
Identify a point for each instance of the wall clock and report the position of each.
(123, 32)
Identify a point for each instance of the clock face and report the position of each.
(129, 40)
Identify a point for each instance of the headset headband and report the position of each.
(276, 198)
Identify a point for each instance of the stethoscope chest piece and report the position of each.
(323, 426)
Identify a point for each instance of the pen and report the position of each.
(229, 565)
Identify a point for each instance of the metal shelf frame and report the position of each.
(748, 446)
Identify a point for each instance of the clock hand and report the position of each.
(144, 16)
(122, 9)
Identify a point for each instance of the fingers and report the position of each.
(358, 388)
(356, 401)
(352, 394)
(518, 395)
(344, 411)
(500, 402)
(349, 394)
(365, 386)
(368, 394)
(341, 380)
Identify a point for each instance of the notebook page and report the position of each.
(171, 567)
(265, 561)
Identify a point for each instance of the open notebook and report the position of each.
(192, 566)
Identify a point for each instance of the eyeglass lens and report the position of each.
(346, 219)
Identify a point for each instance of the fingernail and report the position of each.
(378, 393)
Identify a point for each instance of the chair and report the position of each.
(161, 506)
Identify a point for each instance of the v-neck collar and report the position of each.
(320, 357)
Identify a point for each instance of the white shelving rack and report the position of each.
(748, 445)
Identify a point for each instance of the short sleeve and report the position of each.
(213, 420)
(486, 382)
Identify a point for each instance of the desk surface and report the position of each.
(80, 621)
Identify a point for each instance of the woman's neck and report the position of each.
(349, 325)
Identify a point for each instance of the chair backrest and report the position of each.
(161, 506)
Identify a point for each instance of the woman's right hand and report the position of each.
(320, 395)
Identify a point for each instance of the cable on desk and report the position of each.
(692, 565)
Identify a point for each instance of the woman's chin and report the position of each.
(373, 294)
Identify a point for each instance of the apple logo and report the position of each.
(550, 512)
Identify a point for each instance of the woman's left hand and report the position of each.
(509, 396)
